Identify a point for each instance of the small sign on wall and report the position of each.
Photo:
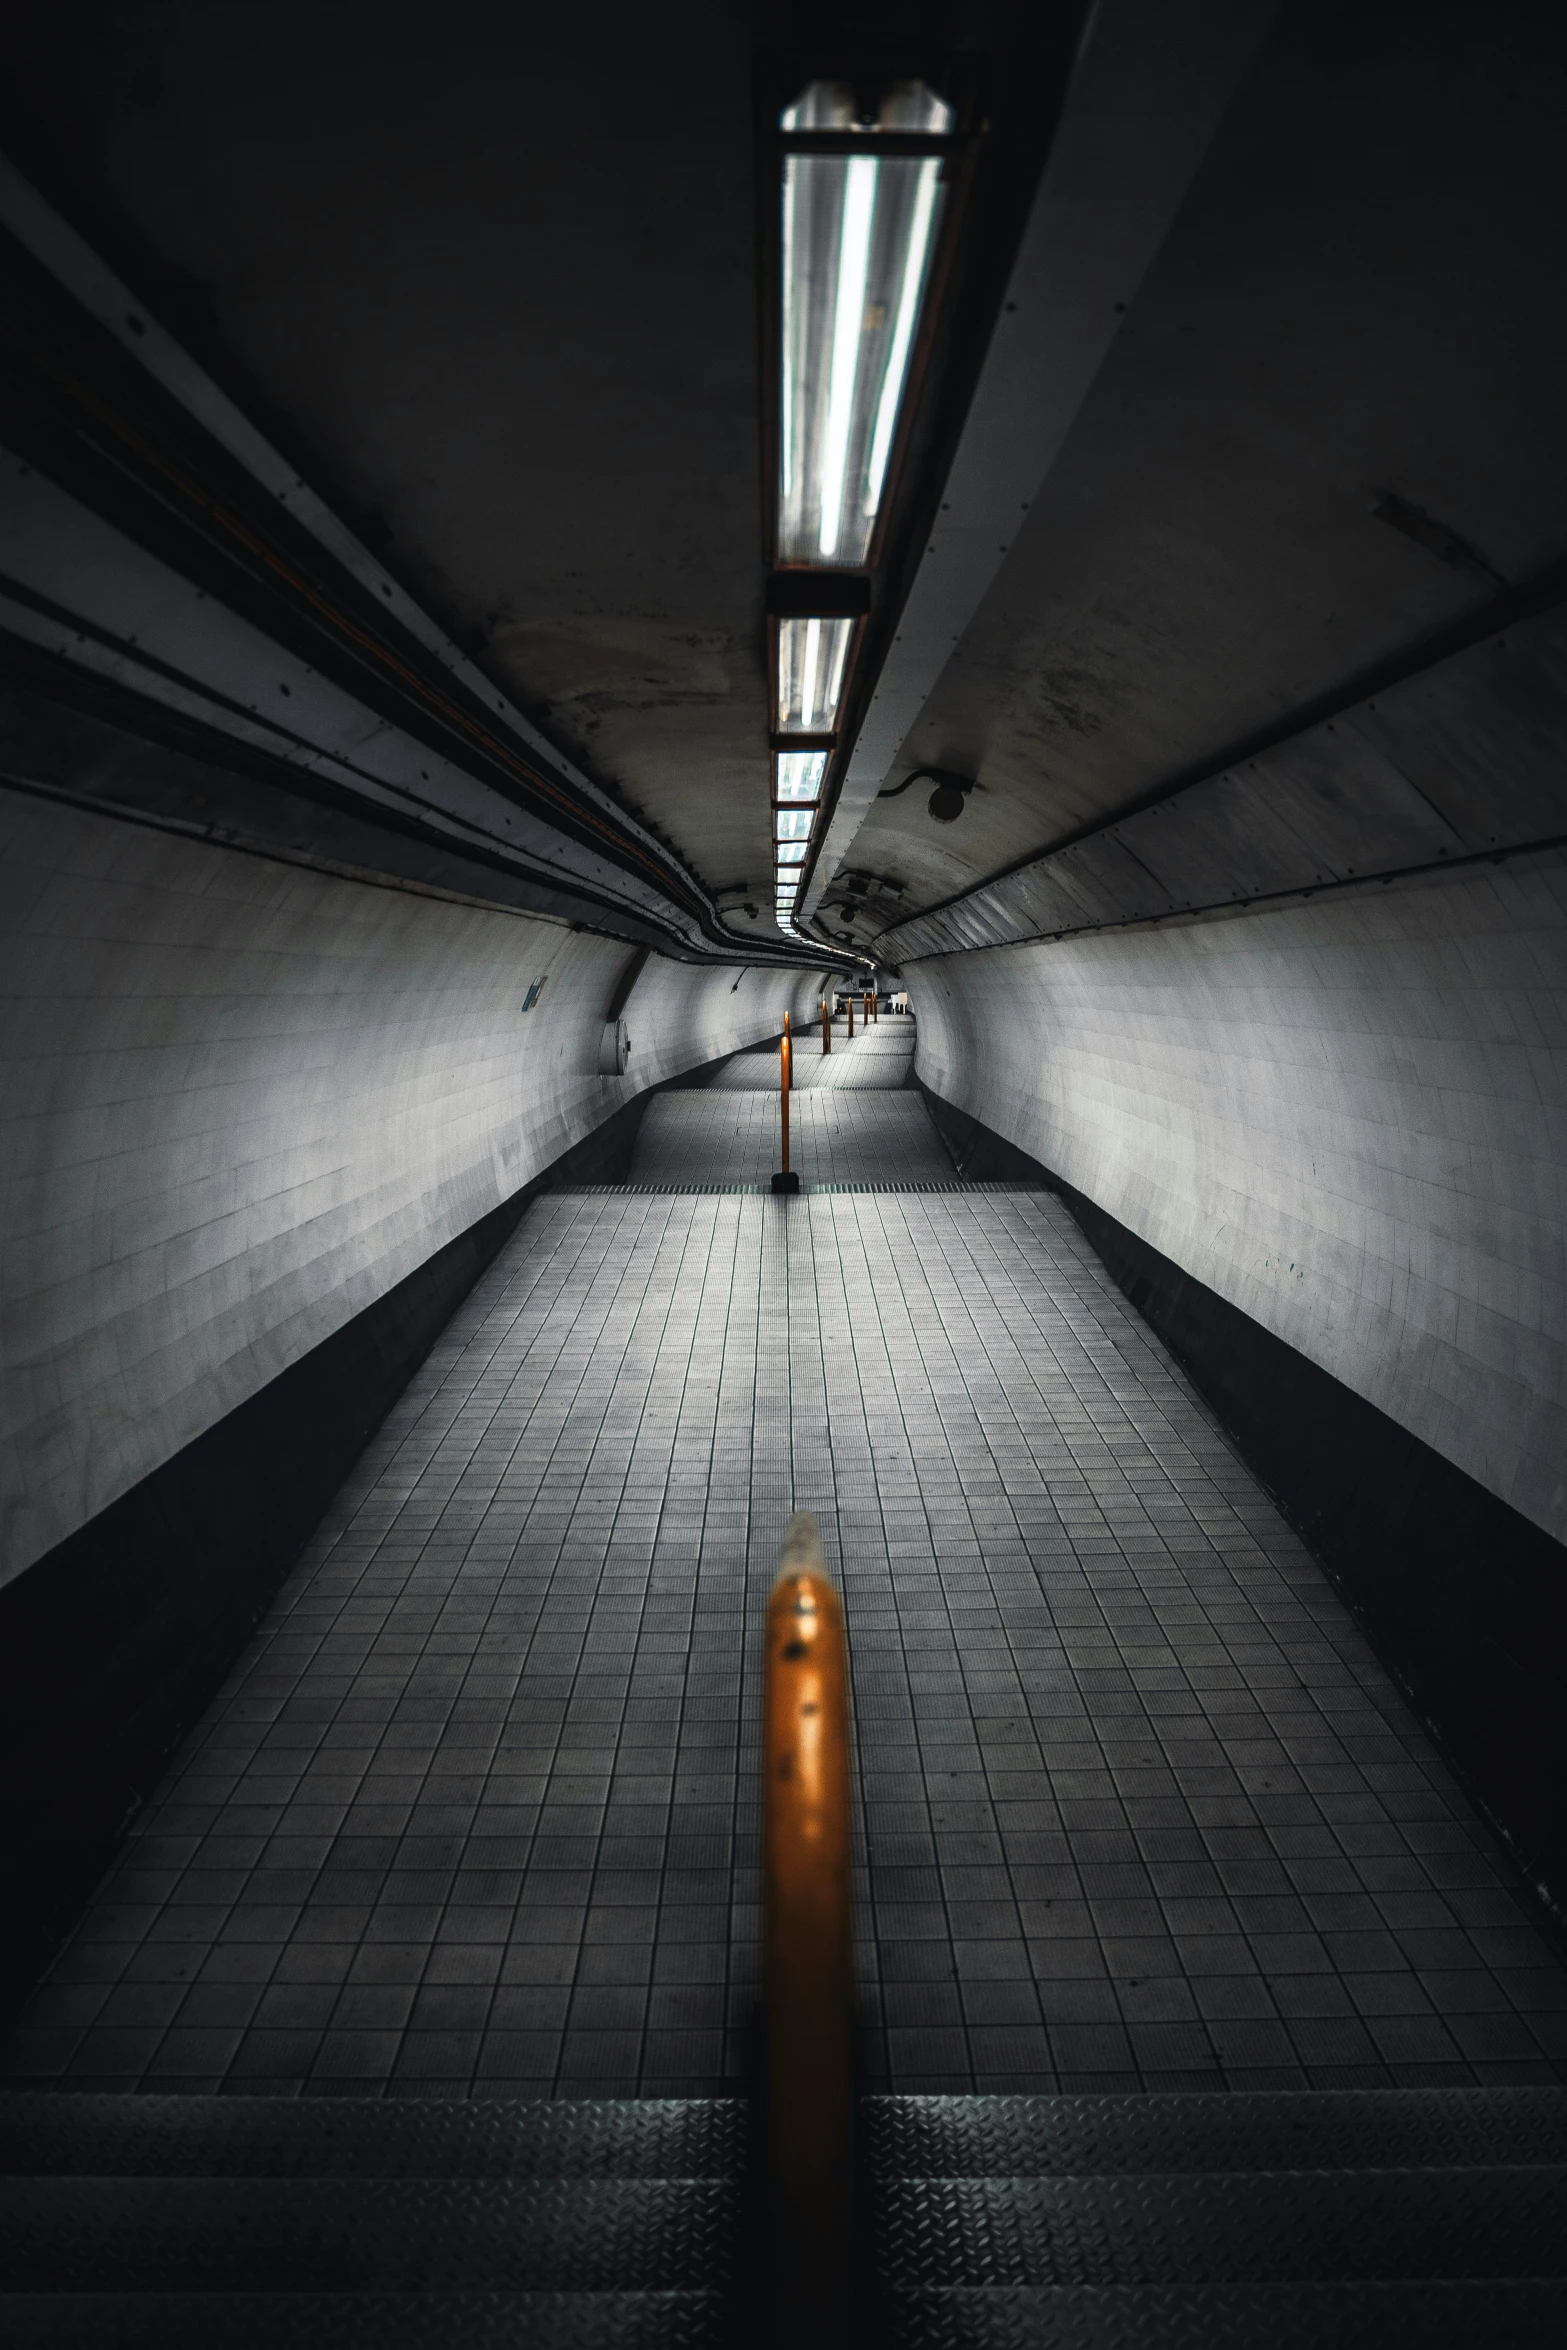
(534, 993)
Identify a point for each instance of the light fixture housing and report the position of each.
(812, 658)
(797, 781)
(869, 165)
(797, 775)
(862, 200)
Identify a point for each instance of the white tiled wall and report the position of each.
(1348, 1117)
(242, 1100)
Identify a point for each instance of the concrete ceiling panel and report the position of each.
(489, 275)
(1485, 736)
(1217, 840)
(1351, 806)
(1107, 879)
(1349, 303)
(1148, 90)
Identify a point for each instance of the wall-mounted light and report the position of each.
(950, 797)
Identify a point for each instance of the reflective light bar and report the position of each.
(811, 655)
(799, 775)
(858, 233)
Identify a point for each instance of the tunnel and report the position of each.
(782, 836)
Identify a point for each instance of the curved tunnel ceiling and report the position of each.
(490, 279)
(488, 282)
(1356, 310)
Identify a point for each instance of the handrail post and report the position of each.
(785, 1181)
(850, 1003)
(826, 1029)
(807, 1956)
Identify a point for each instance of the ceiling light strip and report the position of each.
(1150, 88)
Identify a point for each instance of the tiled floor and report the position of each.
(477, 1812)
(834, 1137)
(876, 1059)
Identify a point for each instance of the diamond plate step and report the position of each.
(1031, 2137)
(1206, 2228)
(363, 2137)
(1522, 2315)
(357, 2235)
(363, 2321)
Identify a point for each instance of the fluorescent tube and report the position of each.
(799, 775)
(857, 233)
(849, 323)
(811, 655)
(903, 332)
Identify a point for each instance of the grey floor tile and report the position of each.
(476, 1812)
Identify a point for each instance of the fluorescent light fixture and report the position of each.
(848, 331)
(927, 189)
(904, 106)
(793, 823)
(811, 655)
(791, 852)
(858, 232)
(799, 775)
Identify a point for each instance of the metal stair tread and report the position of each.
(352, 2234)
(1227, 2130)
(1526, 2314)
(1212, 2227)
(89, 2135)
(663, 2320)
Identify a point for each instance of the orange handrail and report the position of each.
(786, 1075)
(807, 1956)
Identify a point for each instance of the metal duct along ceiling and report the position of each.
(167, 573)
